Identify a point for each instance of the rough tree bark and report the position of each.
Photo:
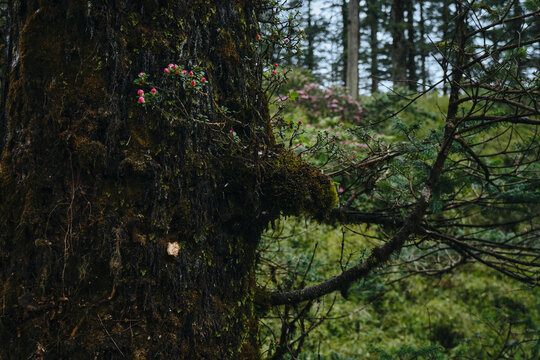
(93, 189)
(4, 51)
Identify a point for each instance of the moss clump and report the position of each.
(297, 187)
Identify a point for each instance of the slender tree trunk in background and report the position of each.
(353, 42)
(93, 188)
(423, 55)
(373, 19)
(344, 39)
(515, 31)
(412, 76)
(445, 60)
(399, 44)
(310, 62)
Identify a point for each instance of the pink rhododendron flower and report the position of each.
(341, 189)
(258, 37)
(274, 72)
(193, 83)
(191, 73)
(184, 72)
(153, 91)
(140, 92)
(203, 80)
(166, 70)
(276, 65)
(141, 73)
(171, 65)
(141, 100)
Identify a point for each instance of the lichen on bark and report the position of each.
(91, 195)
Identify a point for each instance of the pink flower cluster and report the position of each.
(141, 95)
(194, 77)
(275, 69)
(334, 101)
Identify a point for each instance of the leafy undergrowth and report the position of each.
(472, 313)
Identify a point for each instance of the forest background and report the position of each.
(415, 310)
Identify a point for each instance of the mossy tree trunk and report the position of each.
(93, 188)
